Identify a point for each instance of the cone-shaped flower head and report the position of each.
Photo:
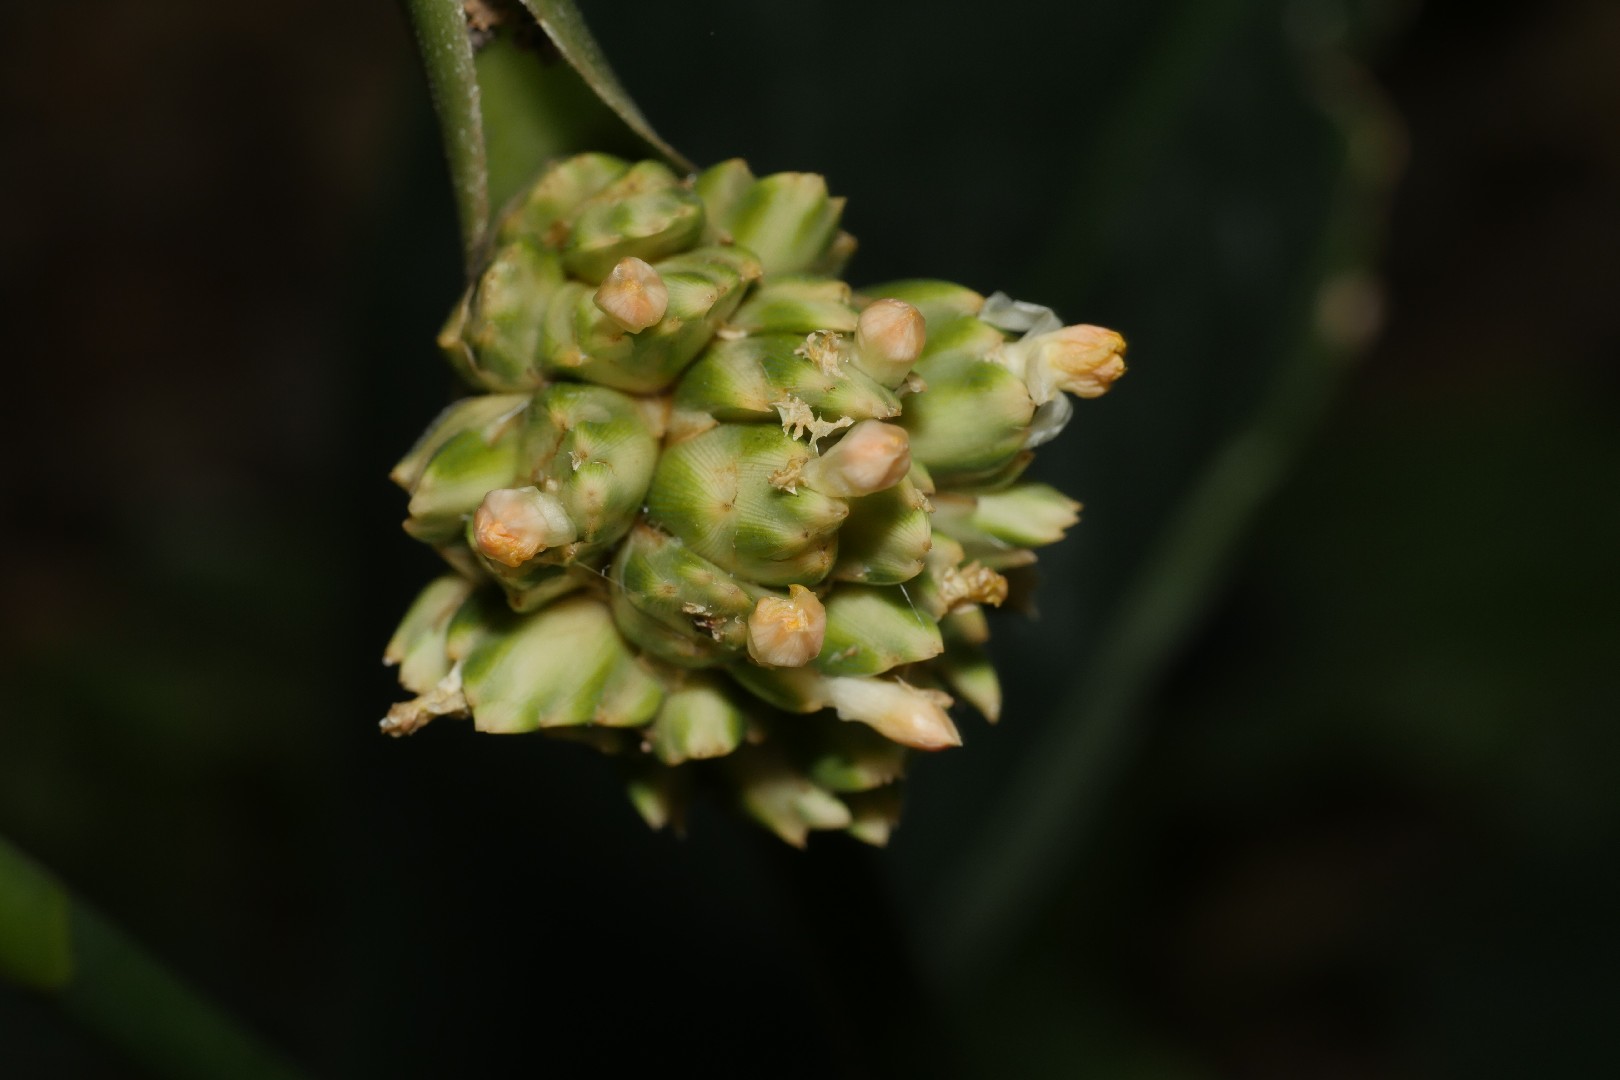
(714, 512)
(886, 536)
(699, 720)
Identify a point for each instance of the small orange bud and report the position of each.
(513, 525)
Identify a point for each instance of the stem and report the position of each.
(54, 944)
(447, 57)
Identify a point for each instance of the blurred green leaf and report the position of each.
(123, 994)
(35, 947)
(53, 944)
(561, 21)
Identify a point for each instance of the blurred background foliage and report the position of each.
(1308, 765)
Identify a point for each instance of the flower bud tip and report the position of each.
(872, 456)
(1080, 360)
(787, 631)
(907, 714)
(633, 295)
(513, 525)
(889, 338)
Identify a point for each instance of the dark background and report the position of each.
(1327, 790)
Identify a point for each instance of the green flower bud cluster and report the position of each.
(715, 513)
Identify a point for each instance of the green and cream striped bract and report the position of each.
(710, 510)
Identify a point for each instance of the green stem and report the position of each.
(447, 57)
(54, 944)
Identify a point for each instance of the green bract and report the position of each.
(714, 511)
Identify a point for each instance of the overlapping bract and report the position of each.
(714, 512)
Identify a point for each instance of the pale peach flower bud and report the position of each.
(872, 456)
(513, 525)
(633, 295)
(787, 631)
